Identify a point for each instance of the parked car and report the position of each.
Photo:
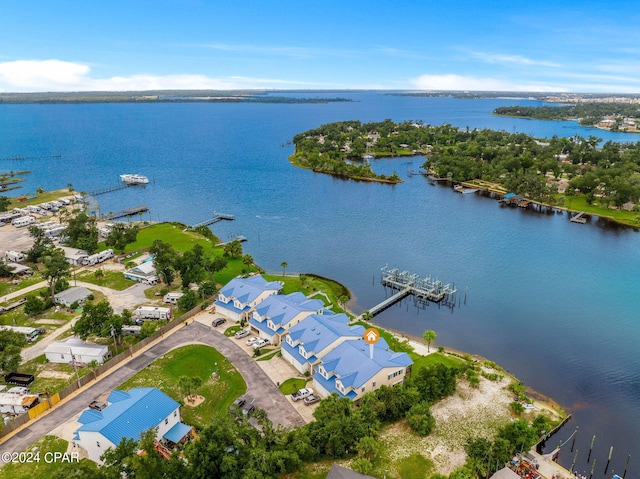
(248, 409)
(311, 399)
(251, 341)
(218, 321)
(97, 405)
(261, 343)
(242, 333)
(302, 393)
(41, 330)
(240, 402)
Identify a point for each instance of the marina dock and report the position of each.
(240, 238)
(124, 213)
(214, 219)
(109, 189)
(423, 290)
(580, 218)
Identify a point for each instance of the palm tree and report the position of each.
(429, 336)
(247, 259)
(284, 265)
(367, 316)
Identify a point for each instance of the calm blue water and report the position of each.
(555, 303)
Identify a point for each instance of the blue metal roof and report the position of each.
(330, 386)
(352, 363)
(129, 414)
(177, 432)
(246, 290)
(316, 332)
(282, 309)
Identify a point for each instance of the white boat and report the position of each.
(134, 179)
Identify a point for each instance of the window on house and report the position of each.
(166, 421)
(97, 444)
(175, 413)
(374, 384)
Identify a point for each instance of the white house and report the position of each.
(74, 256)
(76, 294)
(351, 371)
(274, 316)
(128, 415)
(143, 273)
(240, 295)
(75, 349)
(316, 335)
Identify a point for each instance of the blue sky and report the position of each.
(582, 46)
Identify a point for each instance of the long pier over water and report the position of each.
(423, 289)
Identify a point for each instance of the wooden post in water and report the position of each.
(574, 438)
(593, 466)
(625, 466)
(591, 448)
(575, 456)
(608, 460)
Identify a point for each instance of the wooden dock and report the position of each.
(21, 158)
(109, 189)
(423, 290)
(214, 219)
(240, 238)
(580, 218)
(125, 213)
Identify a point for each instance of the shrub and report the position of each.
(34, 305)
(516, 407)
(420, 419)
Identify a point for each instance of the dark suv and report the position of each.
(218, 321)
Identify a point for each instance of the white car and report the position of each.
(243, 333)
(302, 393)
(251, 341)
(260, 343)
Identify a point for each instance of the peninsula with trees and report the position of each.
(577, 174)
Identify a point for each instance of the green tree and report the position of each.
(40, 244)
(233, 249)
(34, 305)
(247, 259)
(82, 232)
(284, 265)
(429, 336)
(121, 235)
(368, 448)
(56, 267)
(367, 316)
(164, 260)
(95, 319)
(4, 203)
(147, 329)
(11, 343)
(188, 300)
(6, 271)
(420, 419)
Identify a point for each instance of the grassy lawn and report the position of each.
(45, 197)
(309, 284)
(415, 466)
(52, 385)
(232, 330)
(193, 361)
(108, 279)
(42, 469)
(17, 316)
(268, 356)
(394, 343)
(434, 358)
(7, 286)
(579, 203)
(292, 385)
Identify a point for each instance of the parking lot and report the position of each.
(14, 239)
(277, 368)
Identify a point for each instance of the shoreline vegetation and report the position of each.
(572, 174)
(162, 96)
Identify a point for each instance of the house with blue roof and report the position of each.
(128, 415)
(273, 318)
(239, 296)
(350, 370)
(316, 335)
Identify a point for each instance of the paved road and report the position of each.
(260, 390)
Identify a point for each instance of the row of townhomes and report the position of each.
(313, 339)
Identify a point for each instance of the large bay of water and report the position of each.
(555, 303)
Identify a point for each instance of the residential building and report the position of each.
(77, 294)
(237, 298)
(75, 349)
(316, 335)
(74, 256)
(143, 273)
(128, 415)
(274, 316)
(351, 370)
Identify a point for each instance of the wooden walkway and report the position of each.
(579, 218)
(124, 213)
(214, 219)
(387, 303)
(109, 189)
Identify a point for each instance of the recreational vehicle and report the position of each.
(23, 221)
(152, 312)
(172, 298)
(14, 256)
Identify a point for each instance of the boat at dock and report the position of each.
(462, 189)
(134, 179)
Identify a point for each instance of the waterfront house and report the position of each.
(143, 273)
(77, 294)
(75, 349)
(351, 371)
(274, 316)
(128, 415)
(237, 298)
(316, 335)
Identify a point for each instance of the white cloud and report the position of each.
(504, 59)
(57, 75)
(459, 82)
